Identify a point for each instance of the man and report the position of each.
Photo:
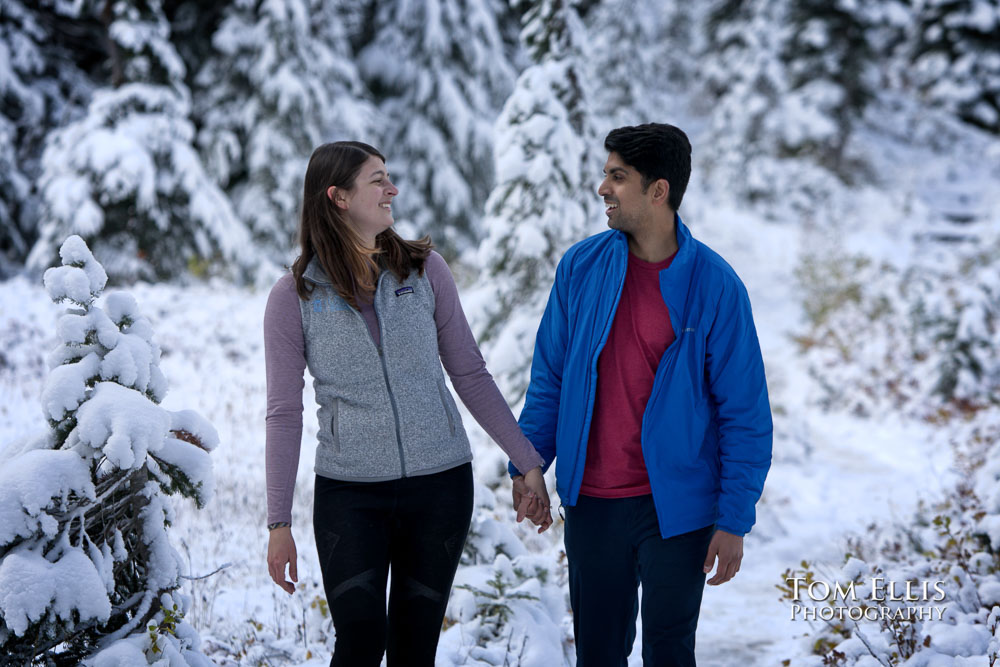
(647, 389)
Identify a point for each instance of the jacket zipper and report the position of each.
(657, 382)
(593, 368)
(659, 378)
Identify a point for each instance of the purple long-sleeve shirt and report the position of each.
(284, 353)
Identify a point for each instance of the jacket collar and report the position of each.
(675, 280)
(686, 249)
(680, 269)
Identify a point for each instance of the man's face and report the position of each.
(628, 207)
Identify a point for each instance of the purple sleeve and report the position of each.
(285, 362)
(465, 366)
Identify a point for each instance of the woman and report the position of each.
(374, 317)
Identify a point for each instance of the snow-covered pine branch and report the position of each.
(955, 59)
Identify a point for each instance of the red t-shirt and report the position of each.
(640, 334)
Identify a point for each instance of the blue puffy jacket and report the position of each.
(706, 431)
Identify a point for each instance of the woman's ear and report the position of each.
(336, 195)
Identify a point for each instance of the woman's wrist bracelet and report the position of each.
(278, 524)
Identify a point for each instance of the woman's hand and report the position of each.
(531, 499)
(281, 552)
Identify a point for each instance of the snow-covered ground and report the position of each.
(830, 474)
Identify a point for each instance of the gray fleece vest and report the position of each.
(384, 413)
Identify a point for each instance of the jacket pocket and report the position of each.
(335, 425)
(443, 392)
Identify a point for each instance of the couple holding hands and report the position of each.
(647, 391)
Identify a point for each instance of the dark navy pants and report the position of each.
(613, 545)
(415, 526)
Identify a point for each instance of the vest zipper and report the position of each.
(385, 376)
(395, 410)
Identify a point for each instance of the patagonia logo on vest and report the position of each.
(404, 290)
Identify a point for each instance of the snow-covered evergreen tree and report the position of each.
(86, 566)
(742, 83)
(279, 83)
(548, 163)
(488, 600)
(40, 86)
(831, 79)
(440, 72)
(956, 58)
(782, 81)
(644, 58)
(20, 35)
(126, 175)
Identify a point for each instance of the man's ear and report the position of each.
(661, 191)
(336, 195)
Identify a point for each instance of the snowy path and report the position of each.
(855, 476)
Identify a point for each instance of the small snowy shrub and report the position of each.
(510, 612)
(493, 599)
(924, 340)
(86, 569)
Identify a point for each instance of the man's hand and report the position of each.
(281, 552)
(531, 499)
(729, 549)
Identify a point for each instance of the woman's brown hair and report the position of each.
(325, 233)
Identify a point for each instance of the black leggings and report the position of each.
(415, 525)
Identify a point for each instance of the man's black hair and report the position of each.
(655, 150)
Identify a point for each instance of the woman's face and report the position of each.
(368, 202)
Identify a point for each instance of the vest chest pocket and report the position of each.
(443, 392)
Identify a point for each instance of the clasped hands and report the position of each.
(531, 499)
